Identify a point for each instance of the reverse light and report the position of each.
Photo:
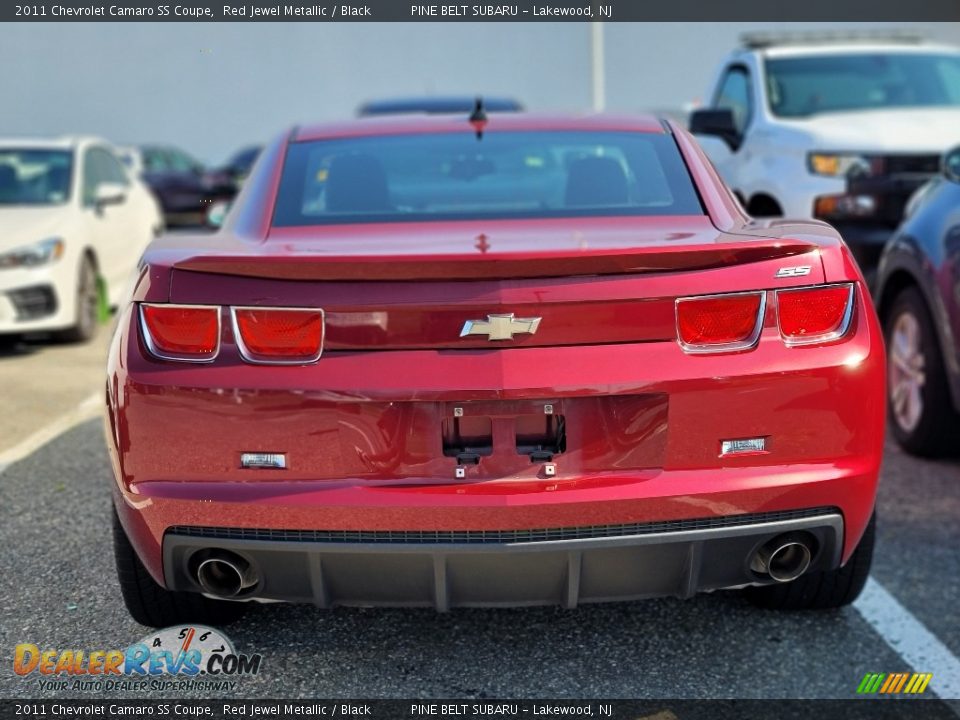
(289, 336)
(720, 323)
(814, 314)
(190, 333)
(264, 461)
(743, 446)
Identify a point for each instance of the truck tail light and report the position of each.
(720, 323)
(816, 314)
(291, 336)
(189, 333)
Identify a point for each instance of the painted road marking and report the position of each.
(910, 639)
(86, 410)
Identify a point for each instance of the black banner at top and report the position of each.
(517, 11)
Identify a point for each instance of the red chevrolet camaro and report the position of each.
(520, 360)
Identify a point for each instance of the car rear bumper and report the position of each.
(393, 532)
(544, 567)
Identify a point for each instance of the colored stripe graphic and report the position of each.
(900, 683)
(922, 680)
(894, 683)
(870, 683)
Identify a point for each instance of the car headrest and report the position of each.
(596, 181)
(58, 179)
(8, 179)
(356, 183)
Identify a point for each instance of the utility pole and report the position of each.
(598, 67)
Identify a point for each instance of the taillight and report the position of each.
(720, 323)
(190, 333)
(814, 315)
(279, 335)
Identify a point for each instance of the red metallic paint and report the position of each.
(362, 427)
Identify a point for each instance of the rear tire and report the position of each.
(87, 305)
(822, 590)
(154, 606)
(922, 416)
(764, 206)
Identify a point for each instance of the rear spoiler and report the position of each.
(494, 267)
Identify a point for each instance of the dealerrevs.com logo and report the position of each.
(195, 657)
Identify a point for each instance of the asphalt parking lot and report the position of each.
(61, 592)
(46, 387)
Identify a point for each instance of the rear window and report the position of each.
(457, 176)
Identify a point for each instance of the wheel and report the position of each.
(764, 206)
(822, 590)
(87, 304)
(922, 417)
(150, 604)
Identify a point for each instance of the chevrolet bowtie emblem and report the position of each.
(500, 327)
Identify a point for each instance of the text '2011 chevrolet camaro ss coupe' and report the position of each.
(434, 361)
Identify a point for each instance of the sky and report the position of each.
(212, 88)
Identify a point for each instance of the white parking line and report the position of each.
(86, 410)
(910, 639)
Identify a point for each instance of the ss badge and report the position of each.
(788, 272)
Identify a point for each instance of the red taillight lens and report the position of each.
(811, 315)
(271, 335)
(720, 322)
(182, 332)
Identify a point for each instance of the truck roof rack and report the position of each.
(761, 40)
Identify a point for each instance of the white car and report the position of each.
(73, 225)
(834, 127)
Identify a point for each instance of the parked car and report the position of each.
(499, 361)
(232, 173)
(837, 127)
(918, 294)
(131, 158)
(73, 225)
(183, 186)
(437, 104)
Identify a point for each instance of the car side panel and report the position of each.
(927, 248)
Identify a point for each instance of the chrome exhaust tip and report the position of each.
(225, 574)
(784, 559)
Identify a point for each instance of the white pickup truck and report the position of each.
(839, 128)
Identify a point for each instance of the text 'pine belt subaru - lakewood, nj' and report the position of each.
(504, 360)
